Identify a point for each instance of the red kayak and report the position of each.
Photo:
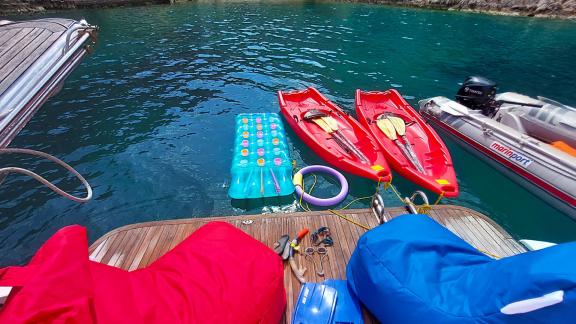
(420, 155)
(333, 135)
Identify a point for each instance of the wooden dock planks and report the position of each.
(22, 43)
(138, 245)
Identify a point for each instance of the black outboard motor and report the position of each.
(478, 93)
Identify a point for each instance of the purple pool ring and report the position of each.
(322, 202)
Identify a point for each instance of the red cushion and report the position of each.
(217, 275)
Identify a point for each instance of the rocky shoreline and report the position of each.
(8, 7)
(532, 8)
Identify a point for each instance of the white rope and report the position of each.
(7, 170)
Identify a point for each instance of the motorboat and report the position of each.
(530, 140)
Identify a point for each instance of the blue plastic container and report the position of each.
(348, 308)
(261, 166)
(315, 304)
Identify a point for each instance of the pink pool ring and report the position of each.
(298, 181)
(260, 152)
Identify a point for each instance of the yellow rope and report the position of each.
(306, 207)
(425, 208)
(349, 219)
(439, 198)
(362, 198)
(300, 201)
(494, 256)
(353, 201)
(422, 209)
(394, 190)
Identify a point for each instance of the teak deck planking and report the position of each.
(136, 246)
(35, 59)
(22, 43)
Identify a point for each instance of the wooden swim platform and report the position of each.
(136, 246)
(35, 58)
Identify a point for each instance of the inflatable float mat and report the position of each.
(261, 166)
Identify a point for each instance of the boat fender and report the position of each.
(322, 202)
(298, 179)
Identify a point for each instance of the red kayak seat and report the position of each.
(218, 274)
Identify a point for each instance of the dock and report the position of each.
(35, 58)
(138, 245)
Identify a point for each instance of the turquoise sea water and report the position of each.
(149, 117)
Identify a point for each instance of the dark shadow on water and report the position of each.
(251, 204)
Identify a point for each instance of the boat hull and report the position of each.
(438, 176)
(548, 173)
(294, 105)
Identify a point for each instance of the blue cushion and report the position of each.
(413, 269)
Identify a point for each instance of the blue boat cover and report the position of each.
(412, 269)
(347, 305)
(315, 304)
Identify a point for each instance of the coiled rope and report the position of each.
(11, 169)
(306, 207)
(422, 209)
